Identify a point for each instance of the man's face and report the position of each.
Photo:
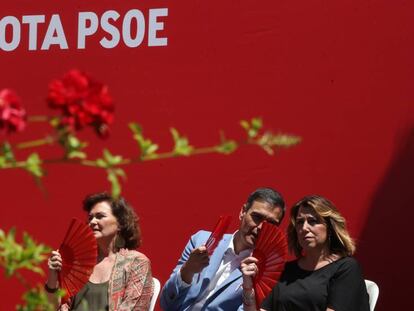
(251, 221)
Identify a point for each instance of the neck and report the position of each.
(315, 256)
(106, 249)
(238, 244)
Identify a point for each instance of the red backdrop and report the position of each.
(339, 74)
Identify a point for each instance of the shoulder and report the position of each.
(132, 255)
(200, 236)
(201, 233)
(348, 266)
(347, 263)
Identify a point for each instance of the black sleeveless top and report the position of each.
(338, 285)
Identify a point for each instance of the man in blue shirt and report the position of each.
(213, 283)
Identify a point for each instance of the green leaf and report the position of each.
(182, 146)
(26, 255)
(115, 184)
(227, 147)
(36, 299)
(72, 145)
(8, 152)
(120, 172)
(269, 142)
(54, 122)
(253, 127)
(2, 161)
(135, 128)
(110, 159)
(33, 165)
(147, 147)
(101, 163)
(257, 123)
(77, 155)
(245, 124)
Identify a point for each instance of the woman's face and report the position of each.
(311, 232)
(103, 223)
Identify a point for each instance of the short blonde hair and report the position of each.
(339, 241)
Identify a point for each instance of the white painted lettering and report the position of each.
(126, 28)
(55, 27)
(83, 30)
(111, 29)
(154, 26)
(33, 21)
(14, 23)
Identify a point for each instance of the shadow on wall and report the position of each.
(385, 244)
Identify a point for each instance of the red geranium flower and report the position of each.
(83, 102)
(12, 113)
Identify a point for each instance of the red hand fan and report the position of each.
(79, 252)
(217, 234)
(271, 252)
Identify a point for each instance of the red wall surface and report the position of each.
(337, 73)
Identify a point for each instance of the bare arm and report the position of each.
(54, 264)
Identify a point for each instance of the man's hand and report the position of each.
(249, 270)
(197, 261)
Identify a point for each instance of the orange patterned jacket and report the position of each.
(130, 285)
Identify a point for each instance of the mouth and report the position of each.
(254, 236)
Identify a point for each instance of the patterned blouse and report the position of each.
(130, 285)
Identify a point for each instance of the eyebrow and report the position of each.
(97, 213)
(273, 221)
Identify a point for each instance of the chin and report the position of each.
(251, 243)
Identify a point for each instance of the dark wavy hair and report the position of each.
(130, 233)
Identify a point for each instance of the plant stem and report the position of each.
(48, 140)
(38, 119)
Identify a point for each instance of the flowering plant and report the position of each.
(84, 102)
(12, 114)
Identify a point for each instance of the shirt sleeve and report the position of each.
(347, 290)
(181, 283)
(175, 289)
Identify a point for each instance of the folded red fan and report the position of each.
(217, 234)
(79, 252)
(271, 251)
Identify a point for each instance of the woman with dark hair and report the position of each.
(325, 276)
(121, 278)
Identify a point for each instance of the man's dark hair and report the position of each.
(267, 195)
(125, 215)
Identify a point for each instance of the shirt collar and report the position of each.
(230, 249)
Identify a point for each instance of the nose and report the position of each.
(260, 225)
(92, 221)
(305, 226)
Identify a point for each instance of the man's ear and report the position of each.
(242, 211)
